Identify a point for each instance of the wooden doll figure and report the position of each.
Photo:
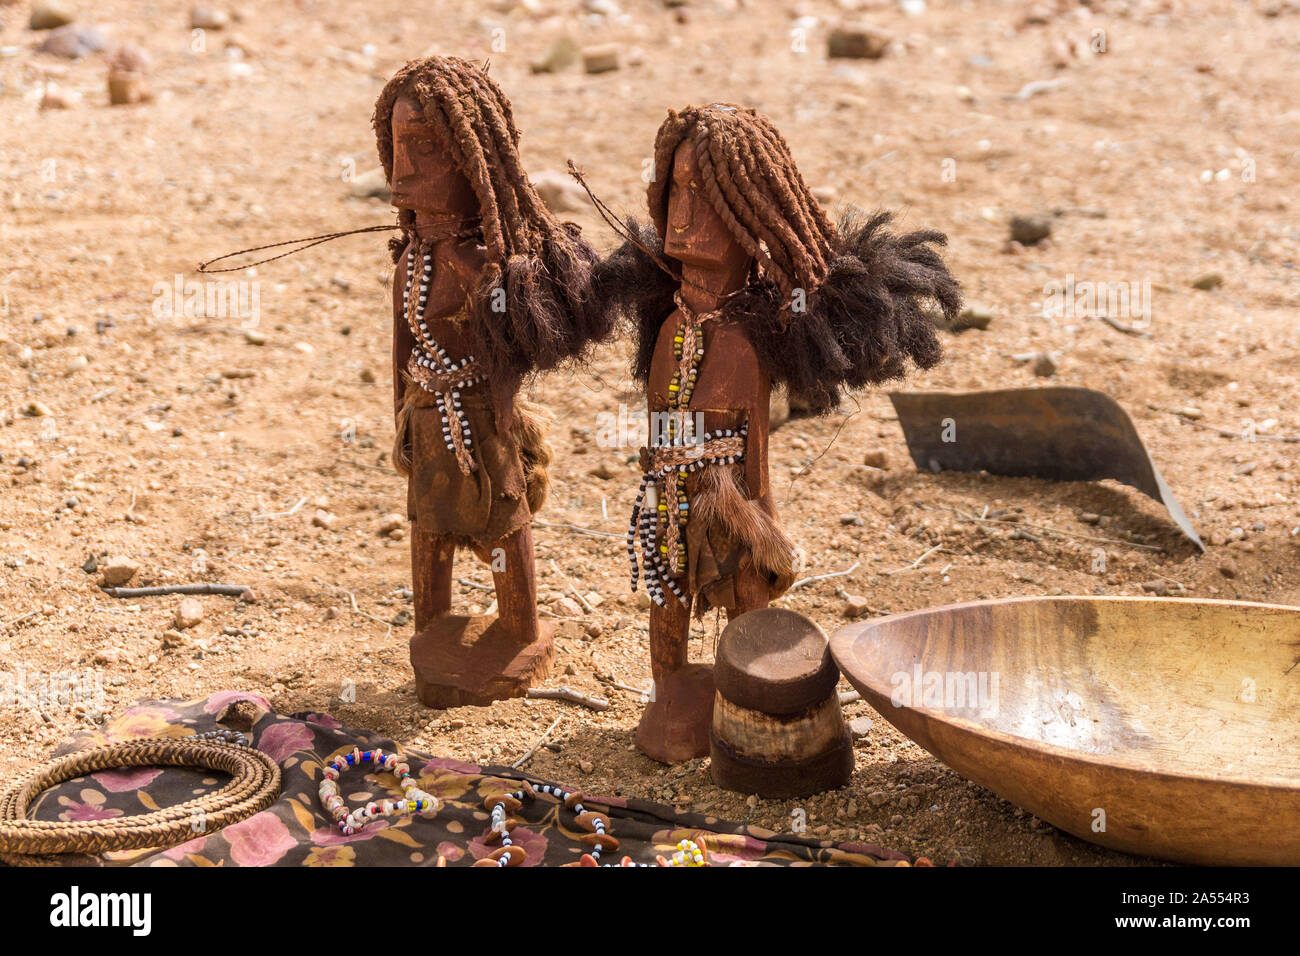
(488, 288)
(743, 282)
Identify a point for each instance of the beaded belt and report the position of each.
(435, 371)
(659, 526)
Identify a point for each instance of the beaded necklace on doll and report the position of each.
(662, 509)
(688, 350)
(433, 369)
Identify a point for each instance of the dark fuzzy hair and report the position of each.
(543, 265)
(865, 286)
(635, 289)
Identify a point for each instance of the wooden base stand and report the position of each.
(461, 661)
(675, 725)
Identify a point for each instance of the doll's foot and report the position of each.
(461, 660)
(675, 725)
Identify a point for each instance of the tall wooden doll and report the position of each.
(489, 287)
(742, 283)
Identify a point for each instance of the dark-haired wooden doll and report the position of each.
(743, 282)
(489, 287)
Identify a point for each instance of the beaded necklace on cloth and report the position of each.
(499, 804)
(597, 839)
(433, 369)
(350, 821)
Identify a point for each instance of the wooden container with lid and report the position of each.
(777, 726)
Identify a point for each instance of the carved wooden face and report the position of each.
(696, 234)
(425, 178)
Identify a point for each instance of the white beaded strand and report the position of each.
(449, 403)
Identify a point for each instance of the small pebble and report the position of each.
(876, 458)
(74, 41)
(861, 726)
(857, 43)
(117, 571)
(49, 14)
(567, 607)
(561, 55)
(188, 613)
(601, 59)
(974, 316)
(855, 605)
(203, 17)
(1030, 230)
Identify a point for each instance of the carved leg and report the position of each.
(431, 567)
(670, 633)
(516, 584)
(675, 724)
(461, 660)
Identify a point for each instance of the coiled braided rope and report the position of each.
(254, 786)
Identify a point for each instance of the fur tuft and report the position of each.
(529, 432)
(865, 322)
(545, 322)
(720, 499)
(636, 291)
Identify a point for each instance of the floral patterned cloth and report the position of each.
(295, 831)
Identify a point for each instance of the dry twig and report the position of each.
(569, 581)
(1126, 329)
(823, 577)
(533, 749)
(230, 590)
(283, 514)
(915, 564)
(1229, 433)
(569, 695)
(574, 527)
(353, 599)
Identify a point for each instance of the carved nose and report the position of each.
(402, 169)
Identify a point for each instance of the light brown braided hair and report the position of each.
(543, 265)
(752, 182)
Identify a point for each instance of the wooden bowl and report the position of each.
(1161, 726)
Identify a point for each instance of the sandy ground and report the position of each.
(183, 444)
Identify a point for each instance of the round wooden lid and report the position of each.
(774, 661)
